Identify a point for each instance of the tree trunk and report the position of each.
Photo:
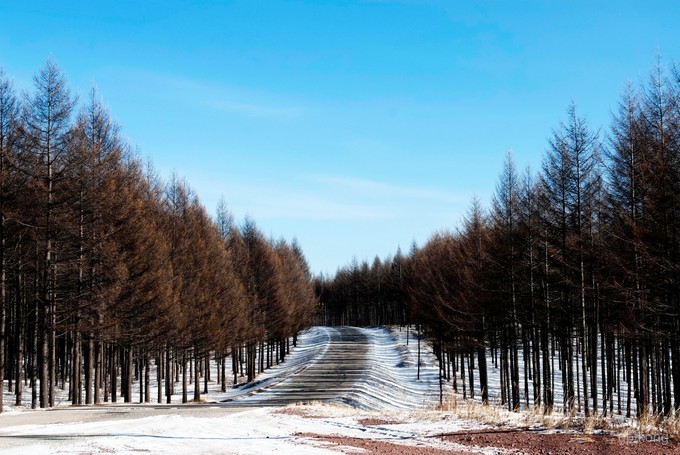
(88, 371)
(197, 383)
(234, 362)
(3, 304)
(223, 383)
(43, 356)
(675, 354)
(147, 378)
(77, 366)
(97, 371)
(20, 354)
(159, 377)
(643, 377)
(206, 374)
(168, 376)
(584, 339)
(185, 398)
(483, 377)
(113, 360)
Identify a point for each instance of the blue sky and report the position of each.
(355, 126)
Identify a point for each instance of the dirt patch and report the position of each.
(369, 421)
(377, 447)
(300, 412)
(530, 442)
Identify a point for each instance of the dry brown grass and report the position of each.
(659, 425)
(672, 425)
(494, 414)
(599, 422)
(319, 409)
(491, 414)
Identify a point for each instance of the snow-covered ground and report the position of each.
(398, 406)
(494, 379)
(391, 381)
(291, 430)
(388, 405)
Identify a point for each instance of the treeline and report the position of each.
(570, 281)
(106, 271)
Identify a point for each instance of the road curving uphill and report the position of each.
(333, 374)
(371, 369)
(368, 368)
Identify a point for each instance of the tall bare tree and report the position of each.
(47, 118)
(9, 111)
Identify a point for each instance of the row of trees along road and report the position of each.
(574, 270)
(105, 271)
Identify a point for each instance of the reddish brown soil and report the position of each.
(376, 447)
(521, 442)
(564, 443)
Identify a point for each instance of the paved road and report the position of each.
(333, 374)
(330, 375)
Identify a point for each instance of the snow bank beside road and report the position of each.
(391, 380)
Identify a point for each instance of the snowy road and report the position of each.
(371, 369)
(332, 375)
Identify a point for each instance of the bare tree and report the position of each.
(9, 110)
(47, 118)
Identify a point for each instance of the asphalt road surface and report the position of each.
(331, 376)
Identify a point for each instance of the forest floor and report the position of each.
(378, 406)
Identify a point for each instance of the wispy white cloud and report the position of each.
(254, 110)
(324, 198)
(334, 217)
(286, 200)
(277, 202)
(222, 97)
(377, 189)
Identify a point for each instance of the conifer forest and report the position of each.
(568, 283)
(106, 269)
